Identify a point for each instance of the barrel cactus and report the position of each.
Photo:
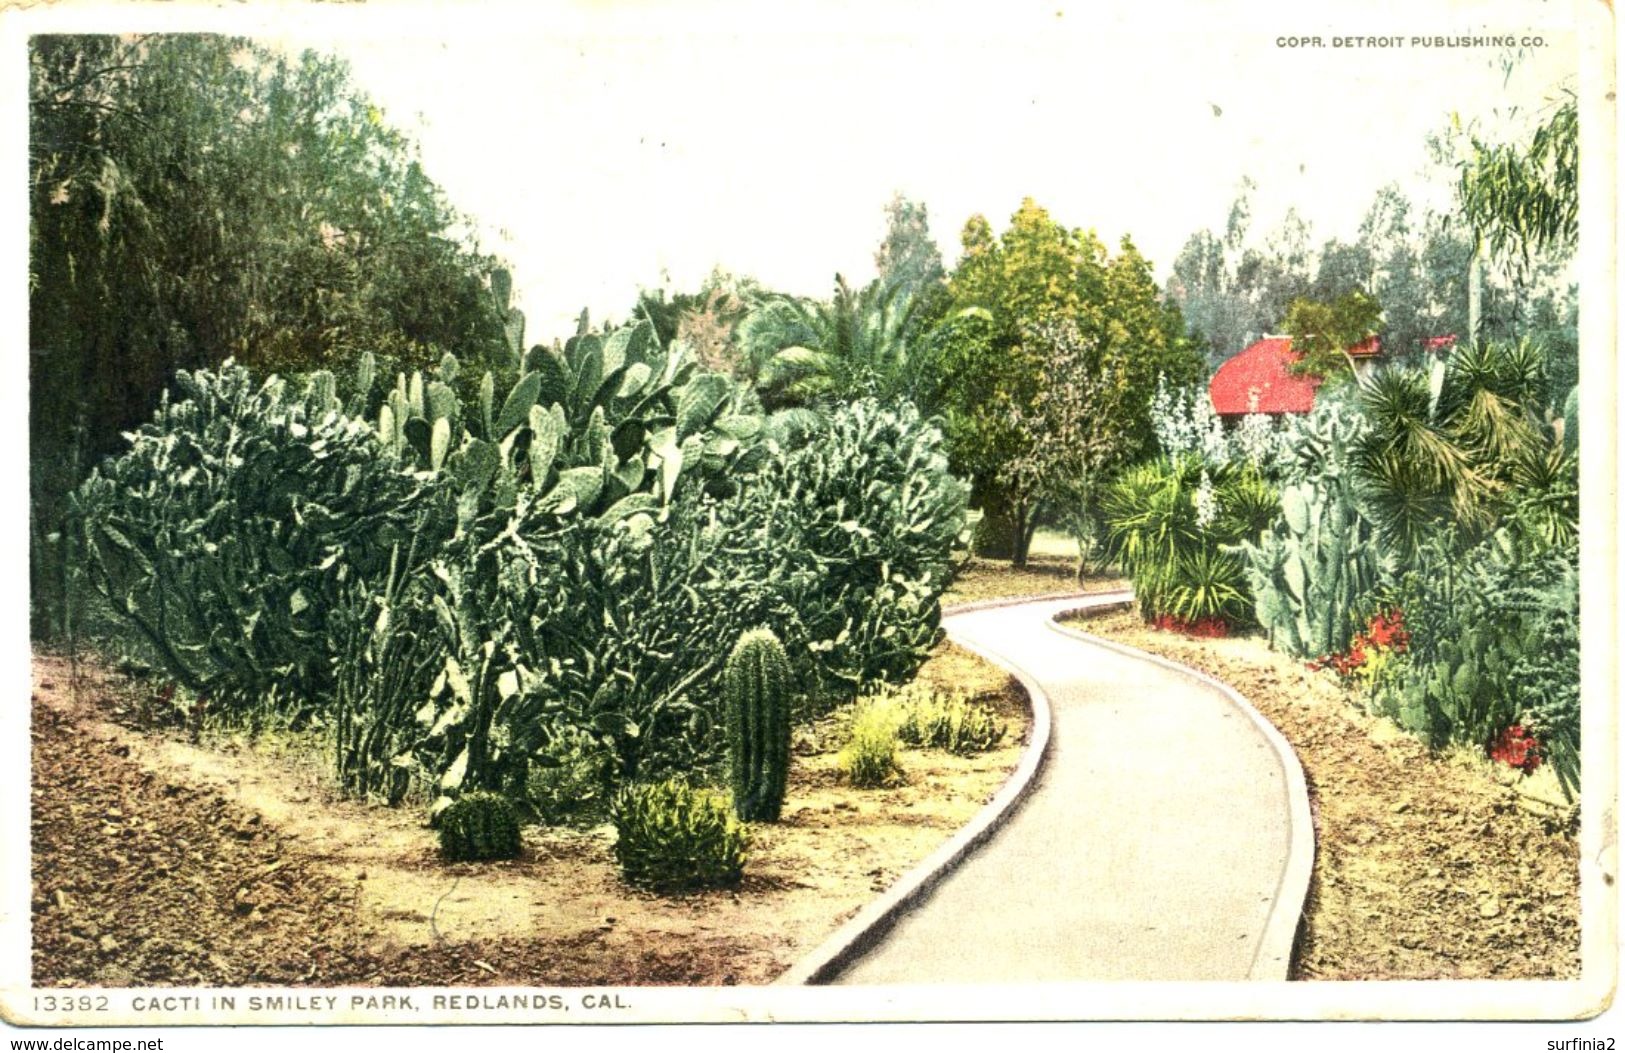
(756, 691)
(480, 825)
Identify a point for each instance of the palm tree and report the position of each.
(860, 343)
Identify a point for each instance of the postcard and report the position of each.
(636, 513)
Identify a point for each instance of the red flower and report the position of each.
(1206, 628)
(1517, 748)
(1387, 629)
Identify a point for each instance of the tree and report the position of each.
(1526, 199)
(909, 255)
(706, 319)
(908, 258)
(196, 197)
(858, 344)
(1230, 291)
(1324, 332)
(1049, 346)
(1071, 434)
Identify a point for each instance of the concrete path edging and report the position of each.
(870, 924)
(1273, 959)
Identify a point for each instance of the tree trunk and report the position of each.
(1475, 289)
(1022, 536)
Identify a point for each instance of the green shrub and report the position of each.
(1494, 642)
(1170, 523)
(224, 536)
(951, 722)
(569, 778)
(479, 826)
(671, 836)
(869, 758)
(853, 531)
(756, 690)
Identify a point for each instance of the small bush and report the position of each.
(481, 825)
(569, 778)
(1171, 524)
(869, 757)
(949, 722)
(671, 836)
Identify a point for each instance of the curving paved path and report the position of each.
(1165, 836)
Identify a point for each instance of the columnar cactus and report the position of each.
(756, 691)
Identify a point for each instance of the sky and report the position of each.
(603, 146)
(611, 147)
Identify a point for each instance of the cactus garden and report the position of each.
(384, 636)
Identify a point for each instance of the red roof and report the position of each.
(1370, 347)
(1261, 372)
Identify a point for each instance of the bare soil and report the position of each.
(161, 857)
(1426, 866)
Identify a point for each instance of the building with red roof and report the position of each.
(1258, 380)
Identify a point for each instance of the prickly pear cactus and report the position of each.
(1311, 572)
(756, 689)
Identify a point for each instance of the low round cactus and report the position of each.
(481, 825)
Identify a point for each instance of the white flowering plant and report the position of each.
(1186, 424)
(1173, 523)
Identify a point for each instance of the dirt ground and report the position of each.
(160, 860)
(1044, 575)
(1426, 867)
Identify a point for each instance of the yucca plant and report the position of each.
(1169, 523)
(1458, 447)
(1209, 584)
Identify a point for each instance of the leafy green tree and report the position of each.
(1526, 198)
(197, 197)
(1050, 354)
(1323, 332)
(908, 257)
(1522, 203)
(1232, 290)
